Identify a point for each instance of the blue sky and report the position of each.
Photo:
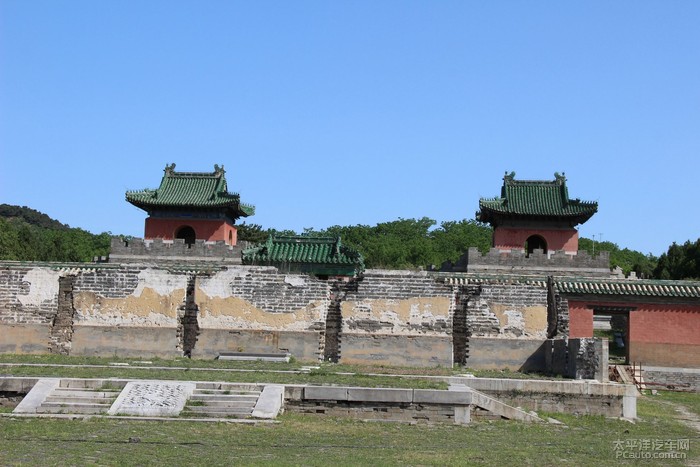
(357, 112)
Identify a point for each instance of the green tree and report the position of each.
(453, 238)
(680, 262)
(253, 233)
(413, 243)
(628, 260)
(28, 235)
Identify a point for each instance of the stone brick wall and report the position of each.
(128, 296)
(61, 336)
(399, 302)
(556, 263)
(416, 406)
(577, 358)
(562, 314)
(259, 309)
(258, 297)
(392, 317)
(374, 411)
(578, 397)
(158, 250)
(588, 359)
(108, 283)
(510, 310)
(683, 379)
(28, 294)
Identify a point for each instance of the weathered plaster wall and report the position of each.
(304, 345)
(392, 317)
(402, 350)
(24, 338)
(258, 309)
(125, 341)
(556, 263)
(261, 298)
(503, 310)
(127, 311)
(159, 251)
(399, 318)
(513, 354)
(28, 294)
(398, 302)
(128, 297)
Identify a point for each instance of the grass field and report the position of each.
(311, 440)
(307, 440)
(238, 371)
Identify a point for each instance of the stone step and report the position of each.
(78, 400)
(78, 397)
(225, 397)
(228, 403)
(72, 409)
(226, 392)
(217, 415)
(84, 394)
(228, 387)
(91, 384)
(220, 410)
(49, 403)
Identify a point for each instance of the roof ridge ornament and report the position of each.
(192, 190)
(535, 200)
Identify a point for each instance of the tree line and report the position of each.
(28, 235)
(399, 244)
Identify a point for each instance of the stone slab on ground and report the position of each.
(270, 402)
(380, 395)
(455, 396)
(325, 393)
(153, 398)
(38, 394)
(504, 410)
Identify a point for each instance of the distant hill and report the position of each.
(29, 235)
(30, 216)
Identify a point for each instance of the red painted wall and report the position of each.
(507, 238)
(580, 320)
(669, 324)
(659, 334)
(204, 229)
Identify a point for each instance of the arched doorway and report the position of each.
(186, 233)
(535, 242)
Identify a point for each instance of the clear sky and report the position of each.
(355, 112)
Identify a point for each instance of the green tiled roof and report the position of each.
(632, 288)
(530, 198)
(321, 255)
(206, 190)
